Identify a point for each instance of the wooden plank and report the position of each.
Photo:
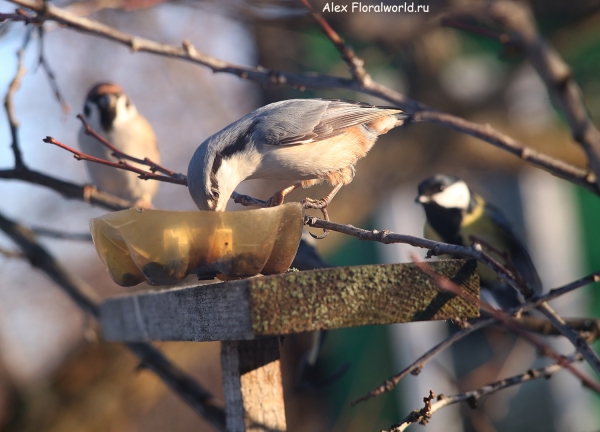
(252, 386)
(291, 303)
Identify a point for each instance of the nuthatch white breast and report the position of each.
(111, 113)
(457, 215)
(303, 141)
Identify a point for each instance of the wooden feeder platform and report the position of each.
(246, 315)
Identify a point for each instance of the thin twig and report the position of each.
(472, 397)
(120, 155)
(487, 133)
(7, 253)
(355, 64)
(13, 87)
(590, 327)
(67, 189)
(415, 367)
(88, 300)
(50, 73)
(518, 20)
(144, 175)
(269, 77)
(448, 285)
(60, 235)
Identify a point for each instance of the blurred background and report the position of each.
(54, 373)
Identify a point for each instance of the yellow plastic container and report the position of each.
(163, 247)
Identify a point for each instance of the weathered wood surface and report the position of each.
(252, 386)
(291, 303)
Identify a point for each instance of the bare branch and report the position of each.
(487, 133)
(472, 397)
(590, 327)
(120, 155)
(60, 235)
(355, 64)
(50, 74)
(263, 76)
(7, 253)
(415, 367)
(67, 189)
(8, 105)
(86, 298)
(575, 338)
(519, 22)
(144, 175)
(448, 285)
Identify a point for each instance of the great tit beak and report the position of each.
(422, 199)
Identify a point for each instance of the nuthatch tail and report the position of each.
(110, 112)
(303, 141)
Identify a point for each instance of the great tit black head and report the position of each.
(445, 191)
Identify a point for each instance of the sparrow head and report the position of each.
(446, 191)
(106, 105)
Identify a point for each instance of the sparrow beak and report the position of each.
(106, 102)
(422, 199)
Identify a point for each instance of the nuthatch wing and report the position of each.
(303, 141)
(111, 113)
(457, 215)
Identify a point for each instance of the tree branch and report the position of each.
(13, 87)
(179, 179)
(50, 73)
(355, 64)
(472, 397)
(67, 189)
(61, 235)
(87, 299)
(447, 285)
(263, 76)
(565, 92)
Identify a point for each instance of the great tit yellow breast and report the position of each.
(477, 225)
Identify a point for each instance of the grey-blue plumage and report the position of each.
(304, 141)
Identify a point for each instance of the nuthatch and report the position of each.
(303, 141)
(457, 215)
(111, 113)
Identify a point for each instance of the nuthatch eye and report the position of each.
(303, 141)
(109, 111)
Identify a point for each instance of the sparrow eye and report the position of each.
(86, 110)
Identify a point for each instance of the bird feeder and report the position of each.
(163, 247)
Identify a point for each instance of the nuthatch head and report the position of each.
(303, 141)
(110, 112)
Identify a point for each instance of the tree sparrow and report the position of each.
(110, 112)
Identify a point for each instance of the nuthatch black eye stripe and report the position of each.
(239, 145)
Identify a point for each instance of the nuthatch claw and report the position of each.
(325, 231)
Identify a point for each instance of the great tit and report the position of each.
(458, 216)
